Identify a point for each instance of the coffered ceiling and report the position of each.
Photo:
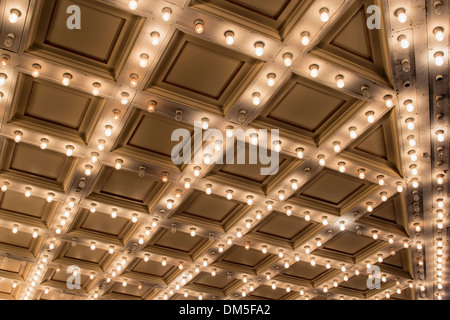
(89, 121)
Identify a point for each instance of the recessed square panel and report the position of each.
(54, 109)
(184, 74)
(177, 244)
(28, 163)
(290, 110)
(349, 243)
(248, 261)
(219, 284)
(148, 137)
(20, 243)
(128, 188)
(334, 192)
(275, 18)
(81, 255)
(102, 44)
(210, 211)
(85, 253)
(266, 292)
(250, 173)
(16, 203)
(279, 229)
(304, 270)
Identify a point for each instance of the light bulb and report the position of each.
(362, 174)
(370, 116)
(238, 233)
(277, 145)
(3, 78)
(256, 99)
(341, 167)
(101, 145)
(197, 171)
(118, 164)
(187, 183)
(325, 221)
(66, 79)
(440, 179)
(18, 136)
(337, 147)
(27, 192)
(401, 15)
(389, 101)
(269, 205)
(313, 262)
(170, 203)
(403, 42)
(410, 124)
(342, 225)
(300, 153)
(321, 160)
(124, 98)
(294, 185)
(352, 132)
(287, 59)
(281, 195)
(271, 79)
(307, 216)
(439, 33)
(14, 15)
(133, 4)
(254, 139)
(324, 14)
(412, 141)
(384, 197)
(409, 105)
(15, 229)
(134, 218)
(258, 215)
(193, 232)
(166, 14)
(439, 58)
(143, 60)
(340, 81)
(440, 135)
(208, 189)
(199, 26)
(305, 38)
(108, 130)
(133, 81)
(36, 70)
(259, 48)
(369, 206)
(229, 37)
(250, 200)
(155, 38)
(314, 70)
(229, 194)
(50, 196)
(92, 246)
(415, 183)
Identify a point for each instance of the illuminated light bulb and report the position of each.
(239, 233)
(440, 203)
(166, 14)
(440, 135)
(88, 170)
(264, 249)
(66, 79)
(337, 146)
(259, 48)
(357, 272)
(414, 170)
(417, 227)
(248, 223)
(208, 189)
(401, 15)
(340, 81)
(4, 60)
(281, 195)
(15, 228)
(419, 246)
(318, 242)
(362, 174)
(412, 141)
(247, 245)
(36, 70)
(271, 79)
(111, 250)
(155, 38)
(101, 145)
(229, 37)
(193, 232)
(409, 105)
(230, 131)
(321, 158)
(305, 37)
(384, 197)
(403, 41)
(300, 153)
(18, 136)
(281, 254)
(313, 262)
(352, 132)
(197, 171)
(380, 258)
(314, 70)
(50, 197)
(133, 80)
(3, 78)
(325, 289)
(133, 4)
(307, 249)
(229, 194)
(92, 246)
(229, 241)
(256, 98)
(370, 116)
(440, 179)
(134, 218)
(250, 200)
(307, 216)
(439, 58)
(415, 183)
(274, 285)
(277, 145)
(288, 289)
(381, 181)
(170, 203)
(14, 15)
(143, 60)
(324, 14)
(368, 265)
(341, 167)
(325, 221)
(258, 215)
(108, 130)
(28, 192)
(405, 244)
(199, 26)
(369, 206)
(439, 33)
(124, 98)
(410, 124)
(389, 101)
(165, 177)
(93, 208)
(287, 59)
(269, 205)
(342, 225)
(141, 239)
(221, 248)
(187, 183)
(288, 211)
(5, 186)
(205, 262)
(205, 123)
